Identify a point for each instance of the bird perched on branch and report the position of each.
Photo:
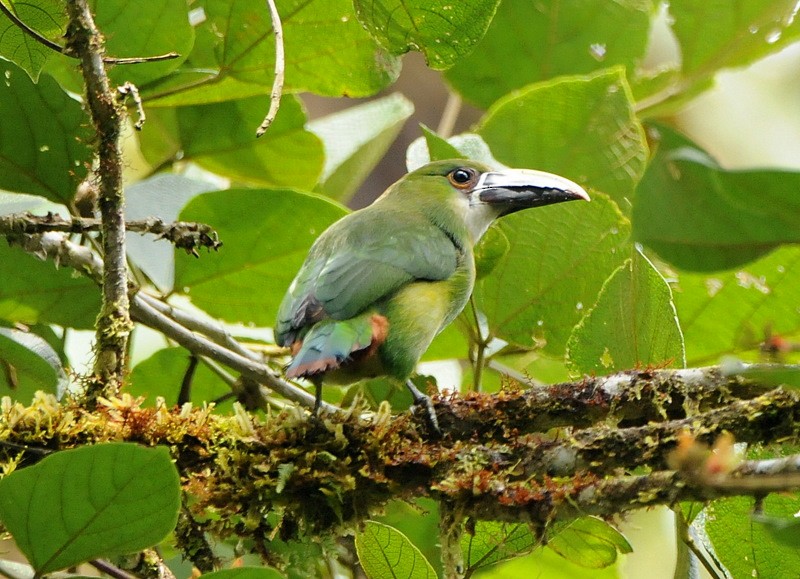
(380, 283)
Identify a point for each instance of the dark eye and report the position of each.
(462, 177)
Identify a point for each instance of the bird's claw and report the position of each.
(424, 401)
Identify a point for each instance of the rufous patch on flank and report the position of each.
(380, 330)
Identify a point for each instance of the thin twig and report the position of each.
(185, 393)
(111, 570)
(130, 89)
(277, 83)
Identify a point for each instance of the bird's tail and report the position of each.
(329, 343)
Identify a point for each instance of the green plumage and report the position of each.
(379, 284)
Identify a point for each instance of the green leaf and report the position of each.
(95, 501)
(162, 196)
(262, 253)
(384, 552)
(557, 260)
(732, 311)
(725, 33)
(60, 296)
(530, 42)
(545, 563)
(782, 530)
(590, 542)
(589, 134)
(748, 548)
(355, 139)
(47, 18)
(161, 26)
(438, 148)
(327, 52)
(43, 145)
(633, 324)
(773, 375)
(701, 217)
(245, 573)
(221, 137)
(442, 30)
(27, 364)
(466, 146)
(493, 542)
(162, 374)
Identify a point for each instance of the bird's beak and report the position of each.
(514, 189)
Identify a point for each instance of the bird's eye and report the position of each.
(461, 178)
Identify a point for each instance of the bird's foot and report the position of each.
(424, 401)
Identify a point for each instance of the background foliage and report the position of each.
(680, 259)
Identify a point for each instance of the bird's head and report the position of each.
(479, 195)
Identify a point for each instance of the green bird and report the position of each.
(379, 284)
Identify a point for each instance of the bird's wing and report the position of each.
(358, 262)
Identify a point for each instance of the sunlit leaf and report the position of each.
(632, 324)
(327, 52)
(384, 552)
(492, 542)
(444, 31)
(590, 542)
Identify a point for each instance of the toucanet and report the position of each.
(380, 283)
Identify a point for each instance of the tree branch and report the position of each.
(186, 235)
(113, 324)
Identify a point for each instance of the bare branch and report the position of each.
(277, 83)
(186, 235)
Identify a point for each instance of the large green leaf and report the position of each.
(327, 52)
(633, 324)
(221, 137)
(581, 127)
(267, 233)
(43, 142)
(746, 547)
(492, 542)
(590, 542)
(701, 217)
(716, 34)
(47, 18)
(384, 552)
(534, 41)
(557, 260)
(442, 30)
(140, 29)
(27, 364)
(95, 501)
(34, 291)
(355, 139)
(726, 312)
